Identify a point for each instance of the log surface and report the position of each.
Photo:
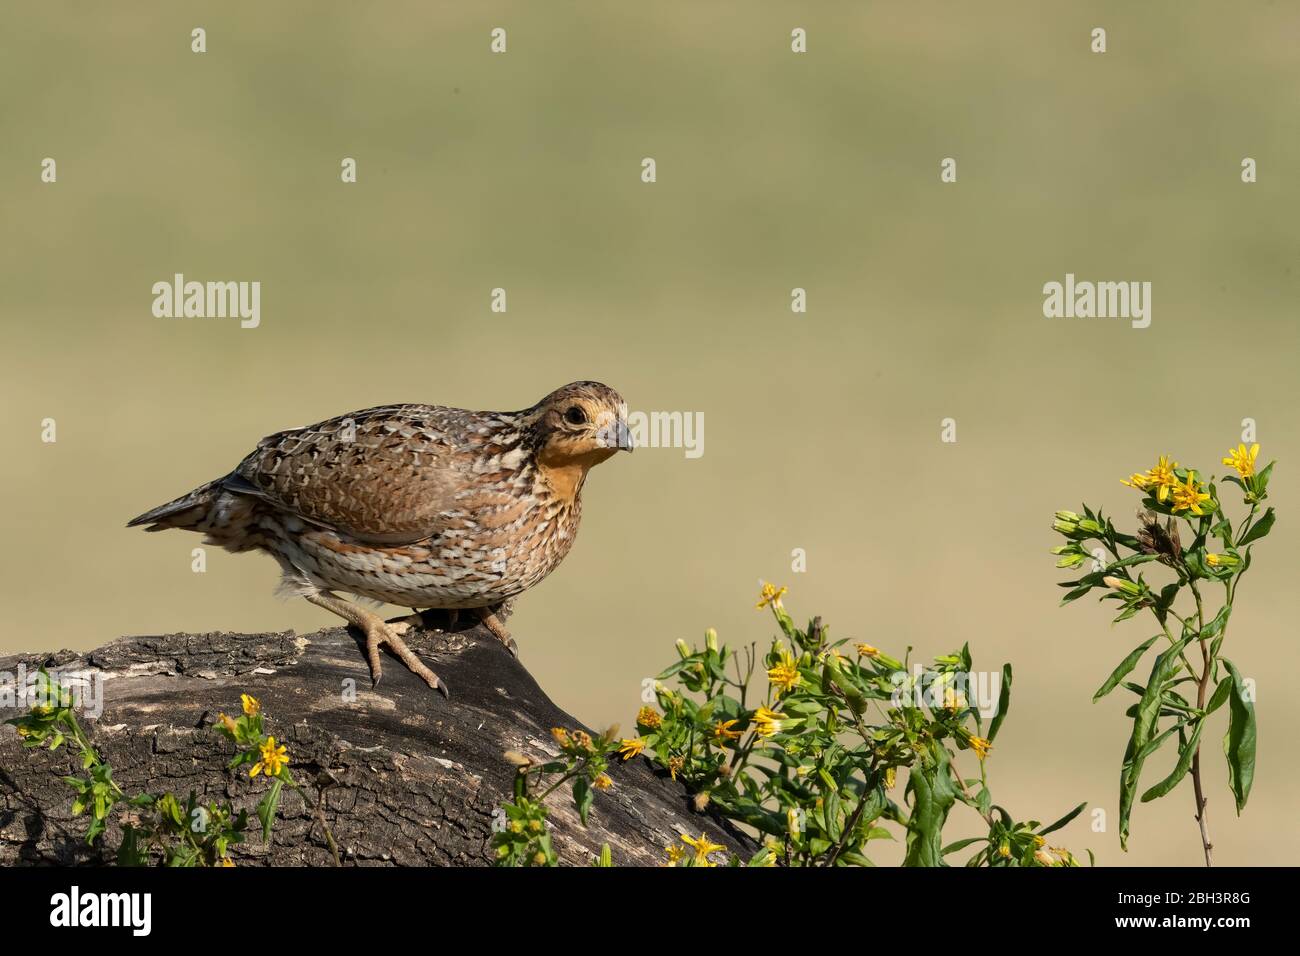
(408, 776)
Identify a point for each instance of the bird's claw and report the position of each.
(390, 634)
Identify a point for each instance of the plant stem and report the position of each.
(1201, 821)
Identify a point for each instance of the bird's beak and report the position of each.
(625, 442)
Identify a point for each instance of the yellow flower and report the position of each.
(1160, 479)
(648, 717)
(703, 847)
(980, 746)
(273, 759)
(675, 854)
(561, 736)
(23, 731)
(1243, 460)
(785, 675)
(226, 722)
(770, 594)
(226, 861)
(603, 782)
(251, 706)
(767, 722)
(866, 650)
(1004, 851)
(1189, 496)
(631, 748)
(1213, 560)
(1136, 480)
(722, 732)
(890, 776)
(1038, 841)
(675, 765)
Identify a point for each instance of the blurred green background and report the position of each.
(775, 170)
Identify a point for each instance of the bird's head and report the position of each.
(580, 425)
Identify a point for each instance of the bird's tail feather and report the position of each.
(188, 511)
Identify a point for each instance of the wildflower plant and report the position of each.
(160, 828)
(811, 761)
(523, 837)
(1190, 679)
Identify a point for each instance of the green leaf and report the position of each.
(1239, 742)
(1149, 707)
(1122, 671)
(1004, 703)
(267, 806)
(1180, 769)
(1128, 780)
(128, 854)
(1261, 479)
(1133, 559)
(1220, 696)
(1216, 626)
(582, 798)
(932, 794)
(1064, 820)
(1258, 529)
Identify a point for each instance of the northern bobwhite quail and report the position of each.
(415, 505)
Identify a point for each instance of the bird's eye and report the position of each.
(575, 415)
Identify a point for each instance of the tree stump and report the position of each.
(403, 775)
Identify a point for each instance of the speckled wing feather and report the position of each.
(388, 475)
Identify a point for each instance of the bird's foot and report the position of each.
(380, 633)
(498, 630)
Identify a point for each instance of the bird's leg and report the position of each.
(377, 633)
(493, 624)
